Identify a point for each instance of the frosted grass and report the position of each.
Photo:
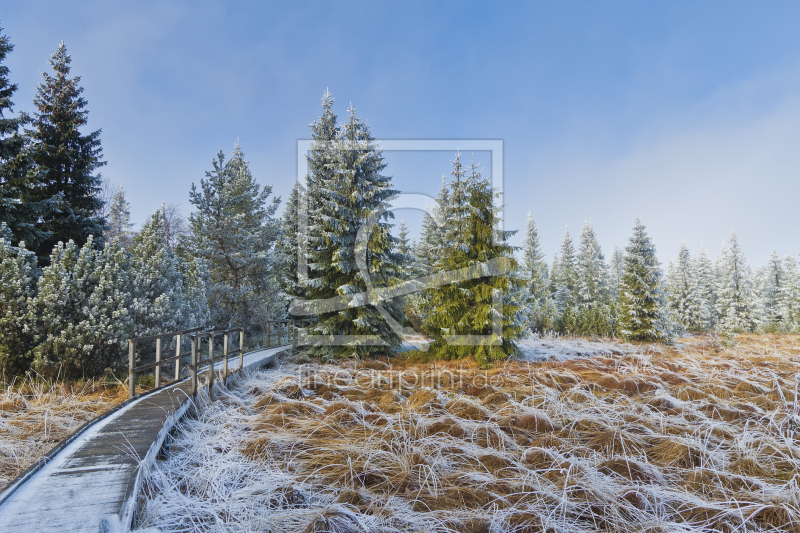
(689, 438)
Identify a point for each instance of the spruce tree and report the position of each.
(615, 272)
(156, 281)
(534, 273)
(566, 274)
(466, 308)
(534, 266)
(320, 158)
(232, 232)
(591, 271)
(119, 218)
(405, 249)
(17, 287)
(735, 295)
(348, 195)
(18, 174)
(791, 295)
(773, 293)
(684, 294)
(432, 243)
(706, 286)
(67, 158)
(287, 247)
(643, 311)
(594, 313)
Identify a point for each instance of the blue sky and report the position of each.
(686, 113)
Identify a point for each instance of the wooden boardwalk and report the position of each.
(92, 483)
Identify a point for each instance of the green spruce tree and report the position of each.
(67, 158)
(288, 245)
(347, 192)
(467, 308)
(643, 312)
(18, 174)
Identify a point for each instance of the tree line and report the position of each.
(579, 293)
(76, 282)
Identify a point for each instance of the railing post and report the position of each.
(269, 335)
(225, 355)
(241, 348)
(193, 339)
(131, 373)
(178, 360)
(210, 363)
(158, 366)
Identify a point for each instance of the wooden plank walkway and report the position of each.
(92, 483)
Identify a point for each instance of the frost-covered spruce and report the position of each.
(565, 270)
(705, 277)
(68, 158)
(534, 266)
(643, 311)
(791, 298)
(409, 267)
(777, 287)
(466, 308)
(683, 292)
(18, 175)
(17, 286)
(349, 190)
(119, 218)
(534, 273)
(592, 274)
(289, 244)
(80, 315)
(615, 272)
(232, 233)
(432, 241)
(156, 281)
(735, 296)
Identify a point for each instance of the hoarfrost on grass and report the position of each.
(693, 437)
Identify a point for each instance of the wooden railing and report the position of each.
(195, 338)
(284, 328)
(280, 329)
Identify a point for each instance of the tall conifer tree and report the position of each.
(287, 247)
(466, 308)
(706, 286)
(643, 313)
(735, 295)
(348, 188)
(592, 274)
(232, 233)
(684, 293)
(18, 174)
(67, 157)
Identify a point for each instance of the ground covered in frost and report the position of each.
(35, 415)
(601, 436)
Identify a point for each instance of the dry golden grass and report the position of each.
(697, 434)
(692, 437)
(35, 415)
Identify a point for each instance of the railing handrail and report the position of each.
(162, 335)
(196, 336)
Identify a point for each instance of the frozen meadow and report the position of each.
(599, 436)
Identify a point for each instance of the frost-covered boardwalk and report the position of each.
(90, 485)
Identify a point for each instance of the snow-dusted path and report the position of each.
(90, 485)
